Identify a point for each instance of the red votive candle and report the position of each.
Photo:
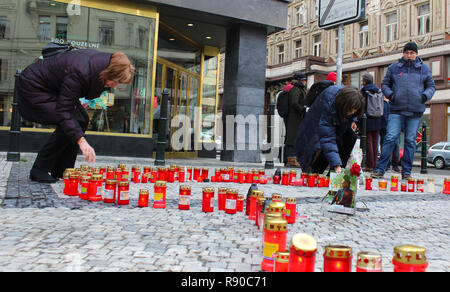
(312, 180)
(281, 262)
(136, 174)
(285, 178)
(208, 200)
(84, 187)
(66, 179)
(196, 173)
(291, 210)
(409, 258)
(143, 198)
(205, 173)
(240, 203)
(337, 259)
(125, 173)
(369, 181)
(110, 173)
(253, 201)
(222, 196)
(231, 201)
(411, 185)
(394, 183)
(277, 198)
(73, 184)
(275, 233)
(420, 185)
(182, 175)
(368, 262)
(95, 190)
(302, 253)
(185, 197)
(292, 177)
(118, 174)
(110, 191)
(123, 193)
(446, 186)
(160, 190)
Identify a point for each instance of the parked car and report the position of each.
(439, 155)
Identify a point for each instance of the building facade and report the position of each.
(369, 46)
(174, 45)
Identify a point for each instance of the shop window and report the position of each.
(423, 19)
(106, 32)
(4, 28)
(44, 28)
(127, 109)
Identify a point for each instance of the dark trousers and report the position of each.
(60, 152)
(345, 147)
(372, 149)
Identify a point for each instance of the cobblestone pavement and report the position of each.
(43, 230)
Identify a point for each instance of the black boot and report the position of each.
(41, 176)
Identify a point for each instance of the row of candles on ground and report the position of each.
(411, 185)
(301, 255)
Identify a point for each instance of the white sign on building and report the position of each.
(332, 13)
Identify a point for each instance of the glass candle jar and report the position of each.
(394, 183)
(409, 258)
(230, 171)
(66, 180)
(185, 197)
(125, 173)
(208, 200)
(103, 172)
(110, 173)
(275, 234)
(256, 176)
(205, 173)
(446, 186)
(123, 193)
(285, 178)
(404, 186)
(420, 186)
(369, 181)
(95, 190)
(118, 175)
(337, 259)
(259, 205)
(143, 198)
(163, 174)
(197, 173)
(84, 187)
(145, 177)
(312, 180)
(278, 208)
(154, 175)
(291, 210)
(240, 203)
(136, 174)
(302, 253)
(304, 179)
(231, 201)
(241, 176)
(171, 176)
(110, 191)
(368, 262)
(276, 179)
(249, 177)
(281, 261)
(222, 196)
(411, 185)
(382, 185)
(182, 175)
(430, 186)
(253, 201)
(160, 191)
(292, 177)
(73, 184)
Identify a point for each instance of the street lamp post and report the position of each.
(14, 133)
(162, 131)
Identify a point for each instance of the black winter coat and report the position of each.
(50, 89)
(296, 112)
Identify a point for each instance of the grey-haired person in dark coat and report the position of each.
(49, 94)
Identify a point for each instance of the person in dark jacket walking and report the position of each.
(374, 124)
(295, 116)
(49, 93)
(408, 84)
(327, 136)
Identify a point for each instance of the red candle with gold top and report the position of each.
(136, 173)
(446, 186)
(312, 180)
(123, 193)
(208, 200)
(110, 191)
(281, 261)
(291, 210)
(222, 196)
(197, 173)
(143, 198)
(160, 192)
(185, 197)
(95, 190)
(240, 203)
(66, 179)
(73, 184)
(368, 262)
(369, 181)
(84, 187)
(302, 255)
(277, 198)
(253, 201)
(292, 177)
(337, 259)
(394, 183)
(409, 258)
(411, 185)
(275, 233)
(304, 179)
(285, 178)
(278, 208)
(110, 173)
(231, 201)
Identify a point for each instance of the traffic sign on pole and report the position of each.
(333, 13)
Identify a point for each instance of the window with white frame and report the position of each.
(280, 54)
(4, 27)
(44, 28)
(298, 48)
(317, 41)
(299, 14)
(391, 27)
(423, 19)
(363, 34)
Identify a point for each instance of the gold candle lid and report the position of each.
(241, 197)
(143, 192)
(111, 182)
(291, 201)
(136, 167)
(160, 184)
(276, 207)
(74, 176)
(411, 179)
(70, 169)
(122, 165)
(97, 177)
(85, 179)
(394, 177)
(338, 252)
(261, 201)
(447, 179)
(275, 224)
(124, 184)
(222, 190)
(282, 257)
(410, 254)
(256, 193)
(208, 190)
(369, 260)
(185, 188)
(304, 242)
(293, 171)
(431, 180)
(84, 167)
(278, 197)
(232, 191)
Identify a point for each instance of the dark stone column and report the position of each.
(244, 88)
